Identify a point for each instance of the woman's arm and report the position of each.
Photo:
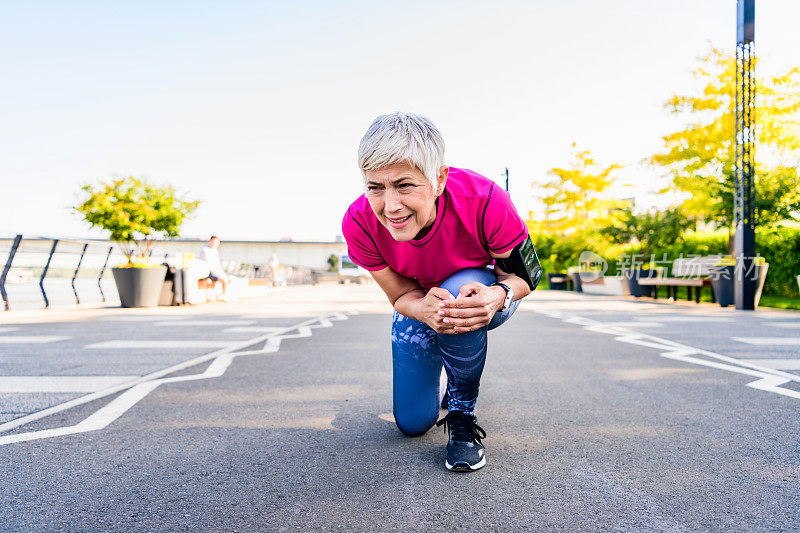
(409, 299)
(517, 284)
(476, 303)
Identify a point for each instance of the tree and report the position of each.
(654, 229)
(578, 200)
(135, 213)
(700, 158)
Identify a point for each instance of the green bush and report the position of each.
(559, 252)
(687, 245)
(135, 213)
(779, 245)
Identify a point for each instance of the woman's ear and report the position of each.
(441, 179)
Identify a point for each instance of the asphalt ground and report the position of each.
(602, 414)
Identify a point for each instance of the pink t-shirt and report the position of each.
(474, 216)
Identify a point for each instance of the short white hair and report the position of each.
(402, 138)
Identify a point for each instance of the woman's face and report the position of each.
(403, 200)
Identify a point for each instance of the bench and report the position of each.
(692, 273)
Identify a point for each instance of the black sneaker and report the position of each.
(465, 452)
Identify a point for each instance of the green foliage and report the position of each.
(577, 199)
(700, 157)
(780, 246)
(651, 230)
(687, 245)
(135, 213)
(579, 215)
(333, 263)
(779, 302)
(559, 252)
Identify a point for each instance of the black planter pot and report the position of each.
(576, 281)
(631, 281)
(139, 287)
(722, 284)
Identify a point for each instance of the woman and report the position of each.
(428, 234)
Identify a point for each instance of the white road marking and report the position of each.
(142, 318)
(188, 344)
(211, 323)
(31, 339)
(141, 387)
(634, 324)
(252, 329)
(770, 380)
(769, 341)
(788, 325)
(6, 330)
(694, 319)
(776, 364)
(28, 384)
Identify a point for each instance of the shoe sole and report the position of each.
(465, 467)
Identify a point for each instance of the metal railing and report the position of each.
(42, 270)
(55, 265)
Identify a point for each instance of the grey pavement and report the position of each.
(602, 414)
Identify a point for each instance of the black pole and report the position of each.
(746, 272)
(506, 178)
(6, 268)
(75, 275)
(103, 271)
(44, 273)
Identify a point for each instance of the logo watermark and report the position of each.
(591, 266)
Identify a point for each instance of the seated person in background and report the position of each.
(217, 274)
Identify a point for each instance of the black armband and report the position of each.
(523, 262)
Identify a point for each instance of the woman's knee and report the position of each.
(416, 413)
(483, 275)
(415, 420)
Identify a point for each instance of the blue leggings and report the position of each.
(418, 353)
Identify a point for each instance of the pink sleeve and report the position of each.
(503, 228)
(360, 245)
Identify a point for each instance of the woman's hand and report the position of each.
(429, 310)
(473, 309)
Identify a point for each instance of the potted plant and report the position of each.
(136, 213)
(631, 277)
(723, 275)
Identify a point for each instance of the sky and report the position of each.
(256, 108)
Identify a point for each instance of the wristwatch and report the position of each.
(509, 295)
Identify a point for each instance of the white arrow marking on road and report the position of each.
(773, 384)
(140, 388)
(770, 380)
